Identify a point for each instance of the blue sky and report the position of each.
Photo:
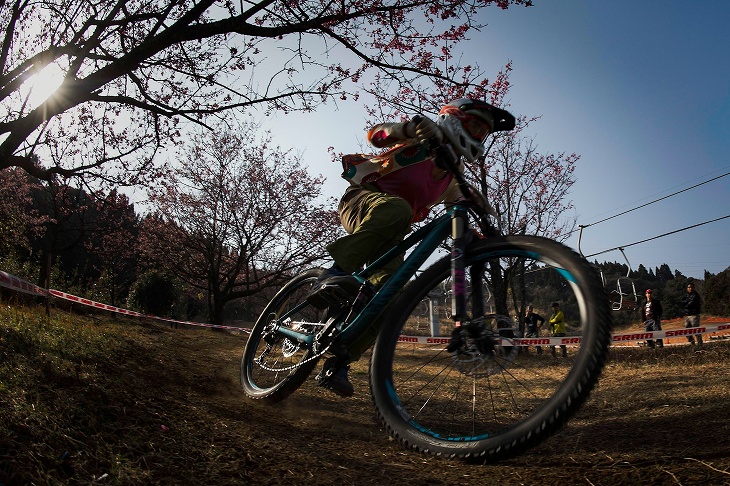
(640, 90)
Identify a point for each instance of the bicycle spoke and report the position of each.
(490, 391)
(274, 365)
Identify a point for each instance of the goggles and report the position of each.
(476, 128)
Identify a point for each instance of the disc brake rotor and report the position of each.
(485, 351)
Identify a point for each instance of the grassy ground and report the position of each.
(113, 401)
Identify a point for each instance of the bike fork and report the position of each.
(462, 236)
(458, 265)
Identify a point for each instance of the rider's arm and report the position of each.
(388, 134)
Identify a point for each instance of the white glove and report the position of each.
(426, 129)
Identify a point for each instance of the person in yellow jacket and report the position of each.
(557, 327)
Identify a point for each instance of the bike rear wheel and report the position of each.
(488, 401)
(274, 366)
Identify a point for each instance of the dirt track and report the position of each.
(167, 409)
(657, 417)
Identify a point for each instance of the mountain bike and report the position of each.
(462, 388)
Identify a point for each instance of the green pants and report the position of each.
(375, 222)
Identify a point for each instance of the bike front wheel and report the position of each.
(492, 397)
(274, 366)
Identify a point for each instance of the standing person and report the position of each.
(557, 327)
(651, 315)
(692, 304)
(533, 324)
(388, 193)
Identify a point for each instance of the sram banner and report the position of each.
(15, 283)
(575, 340)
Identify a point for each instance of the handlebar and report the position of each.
(448, 160)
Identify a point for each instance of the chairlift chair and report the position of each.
(624, 296)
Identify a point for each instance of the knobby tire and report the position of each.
(284, 367)
(490, 405)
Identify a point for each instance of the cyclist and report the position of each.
(390, 191)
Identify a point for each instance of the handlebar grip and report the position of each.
(444, 158)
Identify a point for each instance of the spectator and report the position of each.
(557, 328)
(651, 315)
(692, 304)
(533, 324)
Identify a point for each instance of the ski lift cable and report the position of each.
(658, 236)
(654, 201)
(582, 226)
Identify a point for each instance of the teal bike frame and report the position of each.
(425, 240)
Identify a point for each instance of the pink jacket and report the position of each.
(406, 170)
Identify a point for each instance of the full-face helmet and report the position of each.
(466, 124)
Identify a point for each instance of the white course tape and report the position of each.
(92, 303)
(15, 283)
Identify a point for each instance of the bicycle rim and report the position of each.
(274, 366)
(491, 401)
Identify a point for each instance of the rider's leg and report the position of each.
(334, 377)
(337, 367)
(375, 222)
(393, 214)
(364, 341)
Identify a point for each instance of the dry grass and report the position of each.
(103, 401)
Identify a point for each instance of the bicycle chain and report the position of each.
(319, 354)
(295, 366)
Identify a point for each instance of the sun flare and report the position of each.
(42, 85)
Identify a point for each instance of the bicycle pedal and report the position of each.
(333, 377)
(322, 378)
(330, 366)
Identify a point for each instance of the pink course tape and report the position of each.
(15, 283)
